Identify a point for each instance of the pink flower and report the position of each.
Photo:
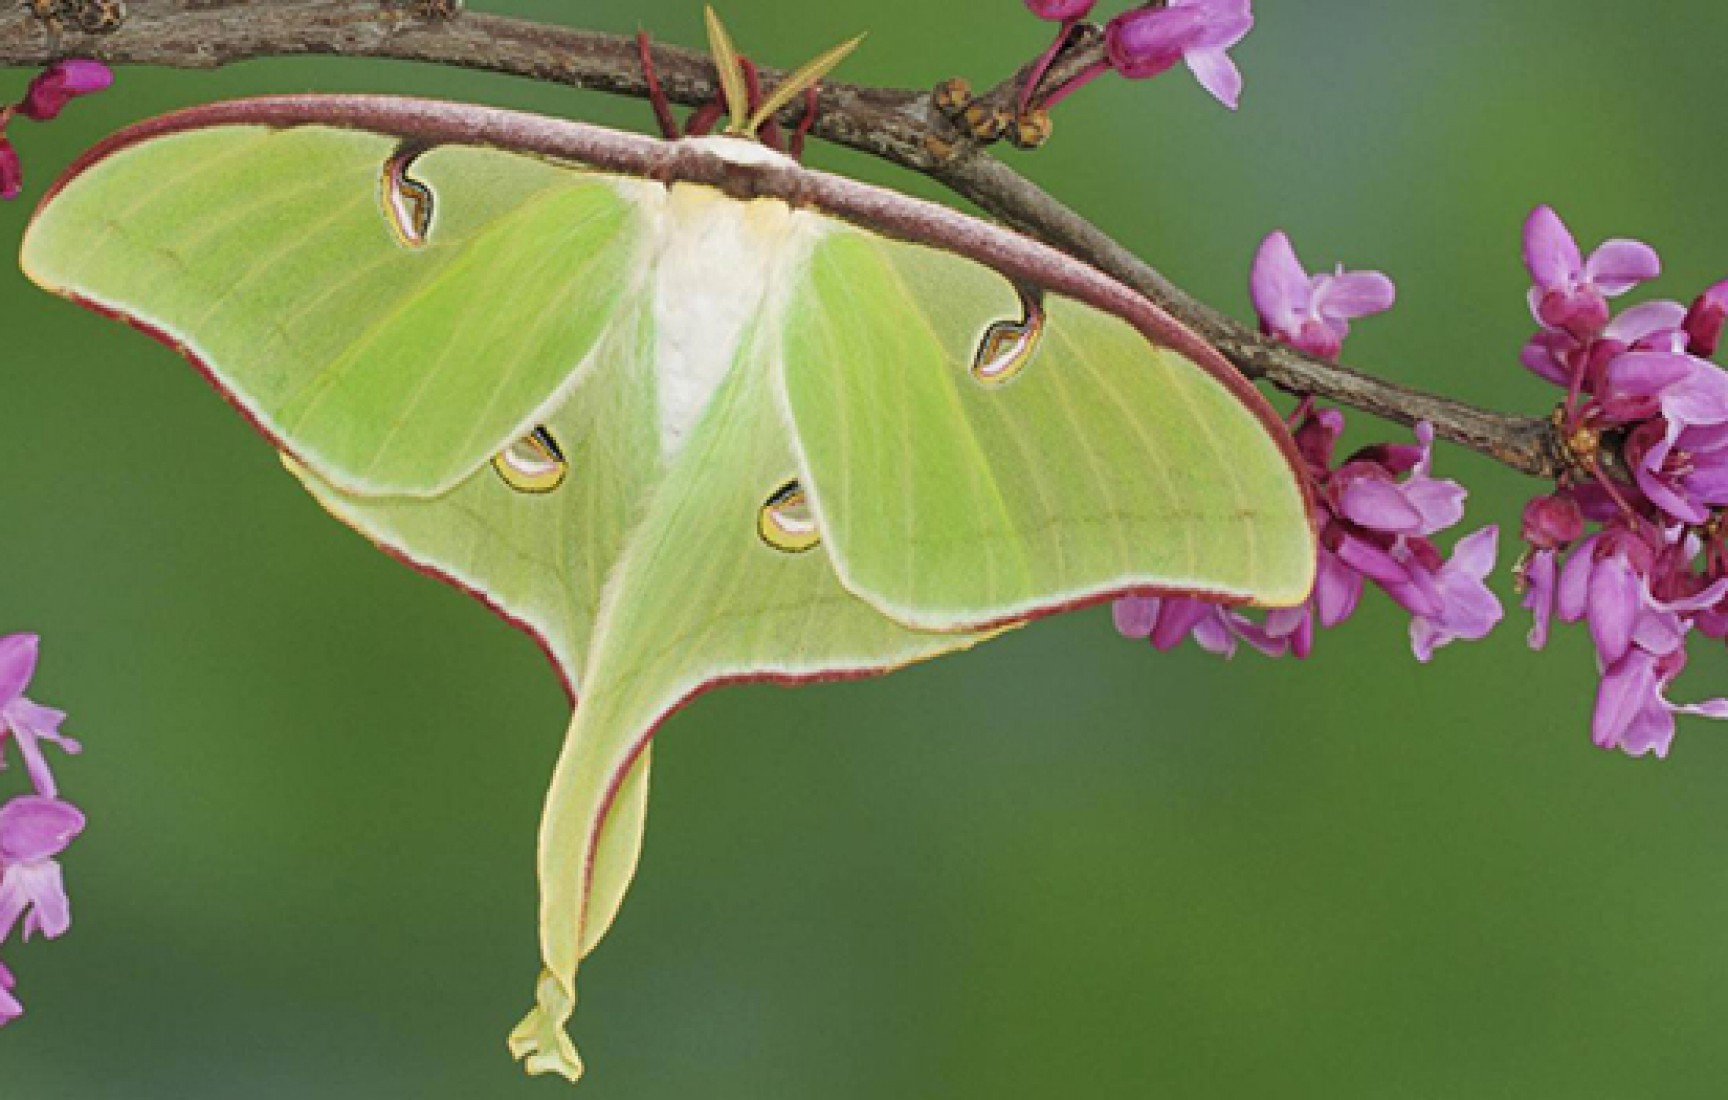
(1687, 391)
(1061, 11)
(1468, 610)
(1553, 521)
(1703, 323)
(29, 724)
(1312, 313)
(1571, 293)
(33, 830)
(1633, 713)
(1149, 40)
(10, 1009)
(11, 170)
(60, 84)
(1165, 621)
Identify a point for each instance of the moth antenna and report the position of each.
(807, 76)
(732, 84)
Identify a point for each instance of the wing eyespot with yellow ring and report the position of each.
(785, 523)
(1007, 346)
(533, 464)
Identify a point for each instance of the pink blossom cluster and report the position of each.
(1376, 512)
(1148, 40)
(36, 827)
(1634, 548)
(47, 95)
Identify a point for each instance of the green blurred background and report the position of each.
(1060, 865)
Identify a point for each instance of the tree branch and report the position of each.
(902, 127)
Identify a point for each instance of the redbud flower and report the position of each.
(1165, 621)
(33, 830)
(28, 723)
(11, 171)
(10, 1009)
(1552, 522)
(1060, 11)
(1572, 293)
(1703, 323)
(1633, 713)
(60, 84)
(1312, 313)
(1468, 610)
(1146, 41)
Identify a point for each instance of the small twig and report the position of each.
(903, 127)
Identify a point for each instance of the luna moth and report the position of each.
(685, 411)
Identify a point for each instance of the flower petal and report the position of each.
(1135, 616)
(1380, 505)
(1217, 74)
(1279, 285)
(36, 828)
(1619, 265)
(1626, 689)
(1550, 252)
(1647, 373)
(1644, 320)
(1352, 294)
(1616, 594)
(17, 664)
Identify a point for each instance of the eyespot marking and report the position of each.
(1007, 346)
(408, 203)
(785, 522)
(532, 464)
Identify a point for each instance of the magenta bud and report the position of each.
(1582, 311)
(1552, 522)
(60, 84)
(11, 171)
(1705, 319)
(1146, 41)
(1061, 11)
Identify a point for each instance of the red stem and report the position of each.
(753, 87)
(796, 146)
(1042, 65)
(656, 94)
(703, 118)
(1084, 77)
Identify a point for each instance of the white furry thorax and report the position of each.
(717, 264)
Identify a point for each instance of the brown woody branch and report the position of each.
(903, 127)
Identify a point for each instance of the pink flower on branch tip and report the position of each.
(1468, 610)
(1061, 11)
(1703, 322)
(1571, 293)
(26, 723)
(60, 84)
(1149, 40)
(33, 830)
(10, 1009)
(1312, 312)
(11, 170)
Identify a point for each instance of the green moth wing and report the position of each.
(698, 600)
(391, 354)
(685, 431)
(958, 432)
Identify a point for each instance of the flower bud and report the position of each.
(1551, 522)
(60, 84)
(11, 171)
(1704, 320)
(1061, 11)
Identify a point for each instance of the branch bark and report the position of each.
(903, 127)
